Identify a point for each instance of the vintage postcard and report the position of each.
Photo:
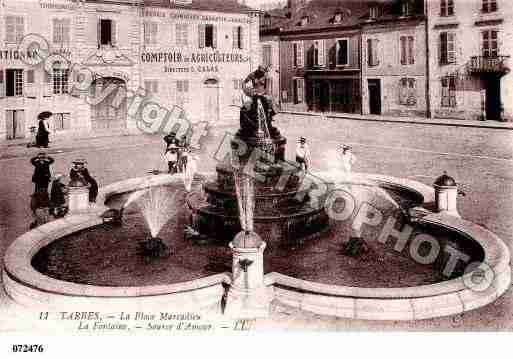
(175, 167)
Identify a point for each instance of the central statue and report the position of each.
(255, 87)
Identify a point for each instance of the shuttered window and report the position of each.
(267, 55)
(182, 91)
(151, 33)
(106, 32)
(407, 92)
(61, 121)
(489, 6)
(446, 7)
(407, 48)
(490, 43)
(373, 52)
(299, 54)
(14, 29)
(319, 57)
(207, 36)
(449, 91)
(238, 37)
(447, 48)
(61, 31)
(342, 52)
(182, 34)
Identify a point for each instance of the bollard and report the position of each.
(446, 195)
(78, 197)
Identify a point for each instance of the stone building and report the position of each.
(471, 42)
(394, 59)
(175, 54)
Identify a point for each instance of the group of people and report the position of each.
(303, 156)
(55, 199)
(180, 158)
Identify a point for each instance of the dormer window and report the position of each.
(406, 8)
(338, 18)
(304, 20)
(374, 12)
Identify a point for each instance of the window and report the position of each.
(298, 58)
(446, 8)
(406, 8)
(151, 86)
(318, 53)
(304, 21)
(449, 91)
(267, 55)
(14, 29)
(106, 32)
(182, 91)
(207, 36)
(447, 48)
(238, 37)
(338, 18)
(182, 34)
(60, 79)
(374, 12)
(150, 33)
(407, 50)
(14, 82)
(298, 90)
(489, 5)
(342, 52)
(266, 21)
(407, 92)
(237, 84)
(61, 121)
(490, 43)
(61, 31)
(372, 52)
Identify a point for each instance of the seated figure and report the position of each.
(254, 86)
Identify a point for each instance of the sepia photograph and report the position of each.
(217, 167)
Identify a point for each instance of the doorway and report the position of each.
(375, 97)
(493, 98)
(211, 104)
(108, 114)
(15, 124)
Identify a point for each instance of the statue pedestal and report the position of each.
(248, 297)
(78, 200)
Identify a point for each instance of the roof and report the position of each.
(321, 14)
(232, 6)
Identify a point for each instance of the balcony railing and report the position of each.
(495, 64)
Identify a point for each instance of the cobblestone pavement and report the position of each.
(480, 159)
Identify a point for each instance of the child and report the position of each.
(348, 159)
(303, 154)
(58, 197)
(171, 157)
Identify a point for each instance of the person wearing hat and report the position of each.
(303, 154)
(43, 133)
(79, 172)
(58, 192)
(348, 158)
(171, 156)
(170, 139)
(41, 177)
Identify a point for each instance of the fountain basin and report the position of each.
(28, 287)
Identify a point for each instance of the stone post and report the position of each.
(248, 297)
(446, 195)
(78, 198)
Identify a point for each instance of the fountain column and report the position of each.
(248, 297)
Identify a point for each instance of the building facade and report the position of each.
(471, 42)
(183, 54)
(423, 58)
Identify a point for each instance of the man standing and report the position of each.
(303, 154)
(348, 159)
(41, 179)
(58, 197)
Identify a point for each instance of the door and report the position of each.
(108, 114)
(375, 97)
(15, 124)
(324, 96)
(493, 99)
(211, 104)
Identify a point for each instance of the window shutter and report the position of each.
(301, 54)
(10, 29)
(48, 87)
(322, 59)
(56, 31)
(403, 91)
(214, 35)
(2, 84)
(154, 33)
(113, 33)
(201, 34)
(30, 90)
(242, 38)
(99, 32)
(451, 48)
(411, 50)
(19, 29)
(300, 90)
(235, 37)
(20, 124)
(9, 124)
(146, 33)
(66, 121)
(66, 28)
(403, 50)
